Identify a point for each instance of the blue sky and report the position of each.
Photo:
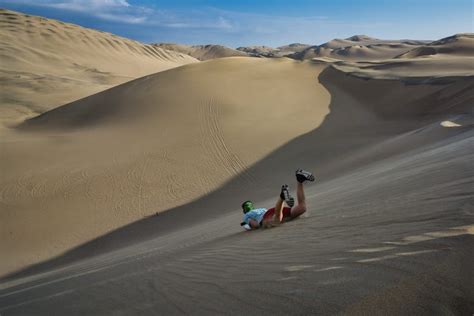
(271, 23)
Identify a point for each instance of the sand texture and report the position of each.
(127, 201)
(389, 227)
(46, 63)
(147, 146)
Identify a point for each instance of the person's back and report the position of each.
(254, 214)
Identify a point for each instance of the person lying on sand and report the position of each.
(261, 217)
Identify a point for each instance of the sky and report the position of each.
(271, 23)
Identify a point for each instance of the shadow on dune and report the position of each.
(357, 120)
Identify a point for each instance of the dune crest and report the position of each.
(47, 63)
(458, 45)
(148, 145)
(358, 47)
(127, 200)
(201, 52)
(266, 51)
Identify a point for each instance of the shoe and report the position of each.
(303, 175)
(285, 195)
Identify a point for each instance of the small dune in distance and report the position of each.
(201, 52)
(359, 47)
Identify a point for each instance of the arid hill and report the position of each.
(201, 52)
(459, 44)
(121, 195)
(447, 59)
(358, 47)
(47, 63)
(266, 51)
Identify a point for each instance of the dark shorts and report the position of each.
(271, 211)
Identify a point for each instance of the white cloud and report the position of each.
(123, 12)
(130, 19)
(84, 5)
(110, 10)
(223, 23)
(177, 25)
(197, 20)
(210, 24)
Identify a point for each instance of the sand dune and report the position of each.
(451, 59)
(139, 185)
(201, 52)
(47, 63)
(411, 70)
(359, 47)
(146, 146)
(257, 51)
(458, 45)
(441, 61)
(206, 52)
(292, 48)
(361, 40)
(389, 227)
(266, 51)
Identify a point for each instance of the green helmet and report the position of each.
(247, 206)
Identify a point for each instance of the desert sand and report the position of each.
(201, 52)
(153, 145)
(46, 63)
(359, 47)
(210, 51)
(450, 57)
(127, 201)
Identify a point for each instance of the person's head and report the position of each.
(247, 206)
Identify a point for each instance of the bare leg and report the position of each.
(278, 216)
(301, 207)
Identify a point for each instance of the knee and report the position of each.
(297, 211)
(302, 206)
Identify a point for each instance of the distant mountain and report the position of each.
(258, 51)
(358, 47)
(361, 38)
(201, 52)
(266, 51)
(459, 44)
(292, 48)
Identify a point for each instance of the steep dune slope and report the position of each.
(146, 146)
(392, 183)
(46, 63)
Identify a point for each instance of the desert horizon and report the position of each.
(125, 163)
